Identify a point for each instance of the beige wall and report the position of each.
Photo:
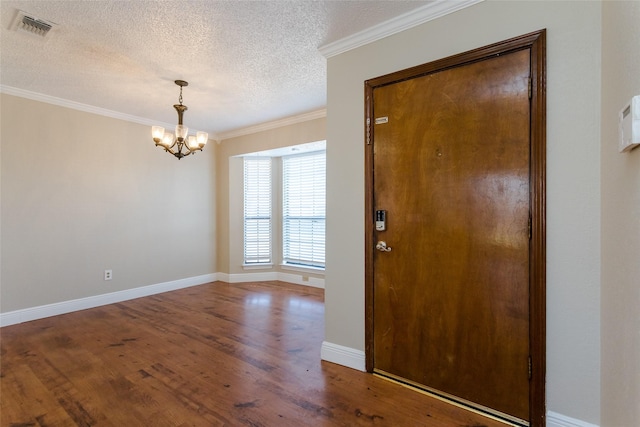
(620, 295)
(82, 193)
(229, 189)
(573, 177)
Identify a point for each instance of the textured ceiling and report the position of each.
(247, 62)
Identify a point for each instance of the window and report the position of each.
(257, 210)
(303, 209)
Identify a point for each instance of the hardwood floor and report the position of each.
(212, 355)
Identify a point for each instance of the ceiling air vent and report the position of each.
(32, 25)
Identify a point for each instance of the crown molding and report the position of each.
(318, 114)
(9, 90)
(403, 22)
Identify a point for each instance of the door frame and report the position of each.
(536, 43)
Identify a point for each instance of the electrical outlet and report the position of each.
(108, 274)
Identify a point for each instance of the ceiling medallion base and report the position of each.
(182, 140)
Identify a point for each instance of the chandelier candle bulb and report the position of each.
(181, 132)
(182, 139)
(202, 138)
(157, 132)
(192, 143)
(167, 140)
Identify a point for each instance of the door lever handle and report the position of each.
(382, 246)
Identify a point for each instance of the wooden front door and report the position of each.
(450, 268)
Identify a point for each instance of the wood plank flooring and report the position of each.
(212, 355)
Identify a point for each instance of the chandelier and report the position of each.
(182, 140)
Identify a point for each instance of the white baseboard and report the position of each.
(268, 276)
(558, 420)
(40, 312)
(355, 359)
(342, 355)
(298, 279)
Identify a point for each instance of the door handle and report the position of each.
(382, 246)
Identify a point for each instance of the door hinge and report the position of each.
(368, 131)
(530, 367)
(530, 87)
(529, 226)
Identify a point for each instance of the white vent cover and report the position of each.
(31, 24)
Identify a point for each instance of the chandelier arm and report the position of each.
(175, 147)
(181, 154)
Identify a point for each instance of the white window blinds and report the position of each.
(303, 209)
(257, 210)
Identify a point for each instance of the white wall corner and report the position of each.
(345, 356)
(558, 420)
(40, 312)
(224, 277)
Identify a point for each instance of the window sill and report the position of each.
(257, 266)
